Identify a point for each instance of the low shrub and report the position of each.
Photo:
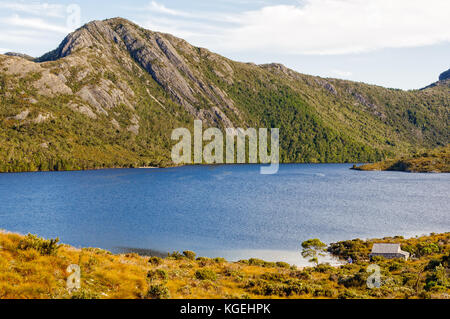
(43, 246)
(394, 266)
(273, 277)
(260, 262)
(357, 280)
(220, 260)
(282, 264)
(323, 268)
(84, 294)
(347, 294)
(158, 291)
(204, 261)
(155, 261)
(189, 254)
(300, 274)
(175, 255)
(206, 274)
(157, 274)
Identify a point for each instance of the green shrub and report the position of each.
(282, 264)
(236, 274)
(155, 261)
(220, 260)
(273, 277)
(281, 289)
(43, 246)
(204, 261)
(157, 274)
(189, 254)
(84, 294)
(176, 255)
(300, 274)
(395, 266)
(347, 294)
(377, 259)
(323, 268)
(206, 274)
(260, 262)
(158, 291)
(357, 280)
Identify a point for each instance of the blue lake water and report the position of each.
(228, 211)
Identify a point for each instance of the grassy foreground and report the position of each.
(31, 267)
(436, 161)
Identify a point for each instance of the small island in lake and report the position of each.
(434, 161)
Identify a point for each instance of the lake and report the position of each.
(230, 211)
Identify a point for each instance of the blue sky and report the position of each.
(401, 44)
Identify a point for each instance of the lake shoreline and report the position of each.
(169, 166)
(40, 268)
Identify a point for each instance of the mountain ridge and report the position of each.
(125, 88)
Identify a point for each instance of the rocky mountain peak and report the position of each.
(444, 75)
(94, 32)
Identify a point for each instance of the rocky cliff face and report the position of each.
(112, 92)
(155, 53)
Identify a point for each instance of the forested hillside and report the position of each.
(112, 92)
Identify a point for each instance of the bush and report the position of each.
(206, 274)
(395, 266)
(273, 277)
(281, 289)
(259, 262)
(282, 264)
(347, 294)
(43, 246)
(323, 268)
(236, 274)
(158, 291)
(220, 260)
(84, 294)
(175, 255)
(300, 274)
(155, 261)
(204, 261)
(357, 249)
(357, 280)
(157, 274)
(189, 254)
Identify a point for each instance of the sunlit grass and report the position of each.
(34, 274)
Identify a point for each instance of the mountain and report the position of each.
(111, 93)
(21, 55)
(445, 75)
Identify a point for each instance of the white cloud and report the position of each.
(3, 50)
(343, 26)
(317, 26)
(34, 23)
(36, 8)
(19, 37)
(341, 73)
(160, 8)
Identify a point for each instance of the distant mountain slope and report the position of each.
(111, 93)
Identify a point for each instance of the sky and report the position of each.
(398, 44)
